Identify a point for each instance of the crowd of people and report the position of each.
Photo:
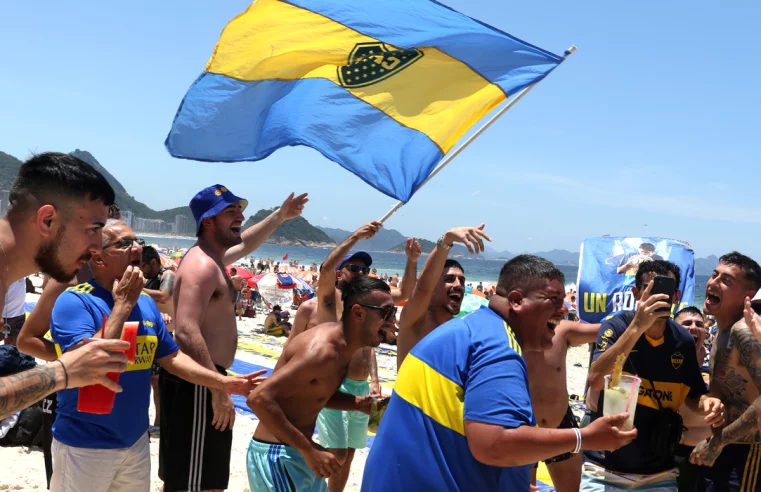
(478, 400)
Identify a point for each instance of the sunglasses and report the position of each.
(125, 244)
(358, 269)
(387, 312)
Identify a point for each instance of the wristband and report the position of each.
(65, 374)
(443, 244)
(578, 441)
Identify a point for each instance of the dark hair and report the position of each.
(573, 298)
(748, 265)
(527, 273)
(114, 211)
(233, 270)
(453, 264)
(354, 291)
(150, 253)
(53, 175)
(276, 307)
(689, 310)
(658, 267)
(648, 247)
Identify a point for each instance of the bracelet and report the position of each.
(65, 374)
(578, 441)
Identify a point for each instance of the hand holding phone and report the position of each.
(664, 285)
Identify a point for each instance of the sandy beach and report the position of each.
(25, 469)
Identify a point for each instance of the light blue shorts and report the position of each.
(343, 430)
(280, 468)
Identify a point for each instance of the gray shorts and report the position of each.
(14, 325)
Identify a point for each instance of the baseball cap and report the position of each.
(210, 201)
(286, 314)
(359, 255)
(757, 298)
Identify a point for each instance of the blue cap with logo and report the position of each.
(210, 201)
(359, 255)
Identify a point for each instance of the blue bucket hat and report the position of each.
(210, 201)
(359, 255)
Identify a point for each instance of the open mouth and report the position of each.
(712, 299)
(235, 229)
(455, 296)
(553, 323)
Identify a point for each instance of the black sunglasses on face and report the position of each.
(358, 269)
(125, 244)
(387, 312)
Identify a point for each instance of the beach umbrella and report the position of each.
(471, 303)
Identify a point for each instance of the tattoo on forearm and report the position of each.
(22, 390)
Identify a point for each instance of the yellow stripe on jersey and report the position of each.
(438, 397)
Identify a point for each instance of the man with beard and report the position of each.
(462, 403)
(307, 378)
(58, 205)
(662, 354)
(733, 452)
(439, 291)
(111, 452)
(196, 430)
(341, 431)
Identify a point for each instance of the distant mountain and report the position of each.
(8, 170)
(560, 257)
(88, 158)
(296, 231)
(384, 240)
(705, 266)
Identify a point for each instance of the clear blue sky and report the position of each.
(651, 128)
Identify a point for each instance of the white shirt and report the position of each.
(14, 299)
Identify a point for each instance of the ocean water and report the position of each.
(393, 263)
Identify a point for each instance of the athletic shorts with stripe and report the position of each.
(735, 470)
(193, 455)
(280, 468)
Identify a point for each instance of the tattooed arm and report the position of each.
(19, 391)
(743, 405)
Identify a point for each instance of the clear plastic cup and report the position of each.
(622, 398)
(97, 398)
(129, 334)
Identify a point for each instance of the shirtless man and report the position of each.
(343, 432)
(307, 378)
(196, 430)
(439, 291)
(732, 453)
(549, 397)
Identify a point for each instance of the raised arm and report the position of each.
(647, 314)
(301, 320)
(407, 285)
(255, 235)
(326, 289)
(31, 340)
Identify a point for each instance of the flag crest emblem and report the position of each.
(370, 63)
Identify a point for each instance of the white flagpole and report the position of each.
(478, 132)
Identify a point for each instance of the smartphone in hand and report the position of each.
(664, 285)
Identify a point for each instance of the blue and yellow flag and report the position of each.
(385, 89)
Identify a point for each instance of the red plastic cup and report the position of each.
(129, 334)
(96, 398)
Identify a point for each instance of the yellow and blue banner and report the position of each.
(608, 267)
(383, 89)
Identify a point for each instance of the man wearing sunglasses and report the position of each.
(308, 377)
(342, 432)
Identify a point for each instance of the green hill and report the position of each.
(296, 231)
(8, 170)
